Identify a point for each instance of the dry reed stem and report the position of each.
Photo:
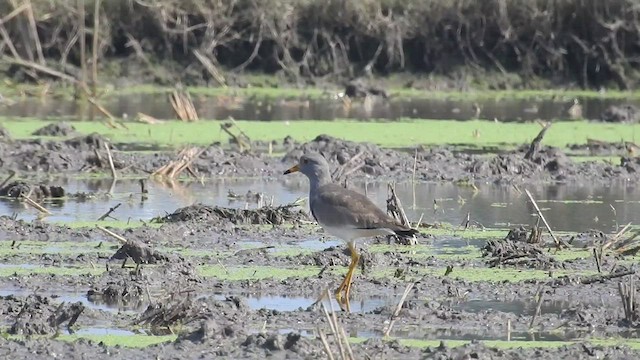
(112, 234)
(34, 31)
(114, 175)
(36, 205)
(211, 68)
(544, 221)
(396, 312)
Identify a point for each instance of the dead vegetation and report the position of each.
(591, 45)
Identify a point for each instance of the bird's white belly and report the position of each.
(349, 234)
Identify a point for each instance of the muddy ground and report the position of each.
(76, 154)
(164, 286)
(211, 315)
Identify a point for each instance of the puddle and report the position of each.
(517, 307)
(567, 207)
(328, 108)
(72, 297)
(293, 303)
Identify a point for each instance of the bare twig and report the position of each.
(558, 242)
(36, 205)
(34, 31)
(112, 234)
(108, 213)
(114, 175)
(396, 313)
(539, 296)
(6, 181)
(338, 172)
(535, 144)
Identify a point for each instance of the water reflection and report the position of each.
(567, 207)
(327, 108)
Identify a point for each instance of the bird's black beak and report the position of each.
(294, 168)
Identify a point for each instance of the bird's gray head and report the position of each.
(314, 166)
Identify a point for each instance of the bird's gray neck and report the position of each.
(318, 181)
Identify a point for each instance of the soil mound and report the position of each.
(18, 189)
(139, 252)
(373, 160)
(621, 113)
(39, 316)
(56, 129)
(265, 215)
(514, 252)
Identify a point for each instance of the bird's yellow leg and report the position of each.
(345, 286)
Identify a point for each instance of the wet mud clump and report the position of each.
(56, 129)
(19, 189)
(514, 250)
(265, 215)
(620, 114)
(597, 147)
(227, 315)
(39, 316)
(139, 252)
(125, 286)
(359, 89)
(352, 156)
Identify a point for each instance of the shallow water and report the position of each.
(328, 108)
(566, 207)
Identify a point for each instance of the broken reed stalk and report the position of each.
(94, 48)
(237, 138)
(535, 144)
(413, 179)
(211, 68)
(539, 296)
(396, 313)
(616, 237)
(544, 221)
(338, 331)
(338, 172)
(83, 86)
(37, 206)
(394, 206)
(112, 234)
(114, 175)
(183, 105)
(108, 213)
(597, 255)
(6, 181)
(627, 295)
(325, 344)
(34, 31)
(176, 167)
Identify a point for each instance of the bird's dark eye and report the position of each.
(305, 161)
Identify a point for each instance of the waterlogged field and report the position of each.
(200, 277)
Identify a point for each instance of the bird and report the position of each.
(344, 213)
(575, 111)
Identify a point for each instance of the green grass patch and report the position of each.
(116, 224)
(10, 270)
(387, 134)
(503, 344)
(35, 247)
(256, 272)
(482, 274)
(130, 341)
